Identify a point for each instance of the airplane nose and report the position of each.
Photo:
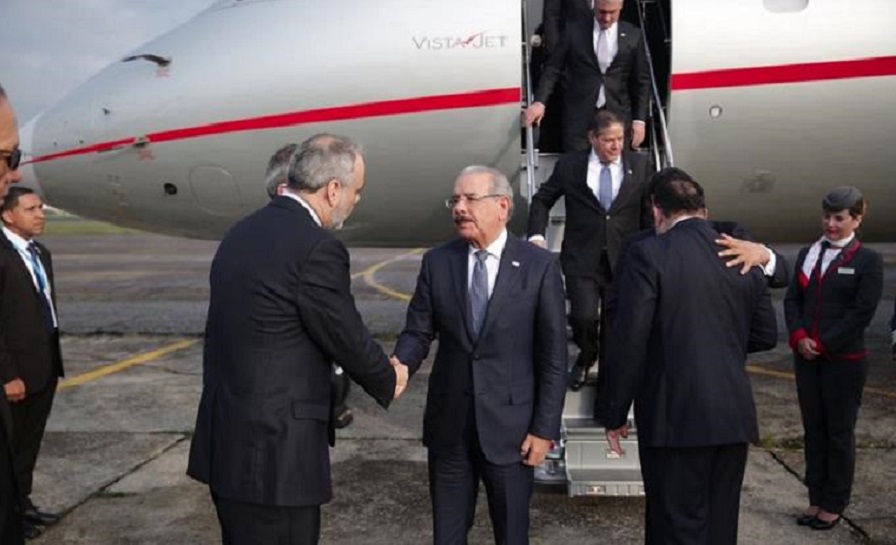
(26, 168)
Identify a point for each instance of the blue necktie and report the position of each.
(34, 252)
(479, 291)
(605, 189)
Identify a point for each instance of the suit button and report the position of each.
(608, 217)
(476, 357)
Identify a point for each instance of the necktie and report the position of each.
(39, 274)
(816, 272)
(603, 62)
(603, 51)
(479, 291)
(605, 188)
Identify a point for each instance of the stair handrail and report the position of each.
(531, 153)
(667, 143)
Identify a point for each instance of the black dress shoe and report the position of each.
(343, 418)
(805, 520)
(35, 516)
(577, 376)
(30, 531)
(819, 524)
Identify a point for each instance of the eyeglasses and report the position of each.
(451, 202)
(12, 158)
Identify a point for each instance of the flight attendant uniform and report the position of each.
(836, 288)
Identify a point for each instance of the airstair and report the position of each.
(582, 460)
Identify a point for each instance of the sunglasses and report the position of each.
(13, 158)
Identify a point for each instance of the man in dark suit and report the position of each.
(497, 385)
(605, 190)
(605, 63)
(682, 329)
(10, 511)
(276, 183)
(30, 358)
(281, 311)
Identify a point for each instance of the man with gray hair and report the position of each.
(277, 173)
(498, 382)
(281, 310)
(276, 177)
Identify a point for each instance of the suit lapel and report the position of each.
(20, 269)
(843, 258)
(586, 32)
(627, 188)
(508, 277)
(459, 263)
(622, 43)
(580, 180)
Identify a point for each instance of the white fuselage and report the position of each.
(429, 87)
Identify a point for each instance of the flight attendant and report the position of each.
(830, 302)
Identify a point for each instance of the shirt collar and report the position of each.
(842, 243)
(20, 243)
(593, 158)
(305, 205)
(610, 29)
(685, 217)
(496, 248)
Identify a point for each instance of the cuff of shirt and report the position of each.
(639, 122)
(769, 268)
(536, 237)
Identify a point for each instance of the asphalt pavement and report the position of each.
(132, 310)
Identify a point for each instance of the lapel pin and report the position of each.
(515, 263)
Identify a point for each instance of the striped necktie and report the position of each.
(40, 275)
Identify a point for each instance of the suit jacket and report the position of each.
(27, 350)
(627, 80)
(555, 15)
(681, 331)
(836, 310)
(589, 226)
(779, 279)
(515, 371)
(281, 311)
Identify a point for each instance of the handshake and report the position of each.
(401, 376)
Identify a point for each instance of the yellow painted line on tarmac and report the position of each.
(112, 368)
(369, 276)
(757, 370)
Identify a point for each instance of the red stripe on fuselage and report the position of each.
(476, 99)
(787, 73)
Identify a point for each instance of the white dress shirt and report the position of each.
(829, 256)
(616, 174)
(611, 36)
(495, 249)
(21, 245)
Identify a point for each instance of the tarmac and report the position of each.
(132, 310)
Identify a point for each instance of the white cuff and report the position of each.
(769, 268)
(536, 237)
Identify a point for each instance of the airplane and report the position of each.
(770, 103)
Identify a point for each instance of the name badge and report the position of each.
(846, 270)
